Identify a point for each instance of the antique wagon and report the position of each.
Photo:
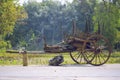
(89, 48)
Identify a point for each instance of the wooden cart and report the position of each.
(84, 48)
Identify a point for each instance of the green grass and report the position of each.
(42, 59)
(115, 58)
(10, 59)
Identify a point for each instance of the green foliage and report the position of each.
(3, 44)
(52, 19)
(7, 10)
(46, 18)
(9, 14)
(107, 17)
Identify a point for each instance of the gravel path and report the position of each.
(64, 72)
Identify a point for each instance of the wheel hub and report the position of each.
(97, 51)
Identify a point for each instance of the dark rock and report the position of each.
(56, 61)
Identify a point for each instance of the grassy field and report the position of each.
(42, 59)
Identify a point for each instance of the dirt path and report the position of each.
(65, 72)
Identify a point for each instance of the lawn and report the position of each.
(42, 59)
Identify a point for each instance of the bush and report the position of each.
(4, 45)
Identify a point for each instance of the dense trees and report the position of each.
(9, 14)
(49, 18)
(53, 19)
(107, 16)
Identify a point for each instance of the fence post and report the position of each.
(25, 58)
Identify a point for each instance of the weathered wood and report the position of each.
(25, 58)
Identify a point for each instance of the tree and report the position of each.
(51, 19)
(9, 14)
(45, 18)
(107, 17)
(84, 12)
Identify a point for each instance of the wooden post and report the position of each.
(25, 58)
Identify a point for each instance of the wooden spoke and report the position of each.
(78, 57)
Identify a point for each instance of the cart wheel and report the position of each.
(78, 57)
(100, 49)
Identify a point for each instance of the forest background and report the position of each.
(24, 25)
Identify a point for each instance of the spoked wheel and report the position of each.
(78, 57)
(100, 49)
